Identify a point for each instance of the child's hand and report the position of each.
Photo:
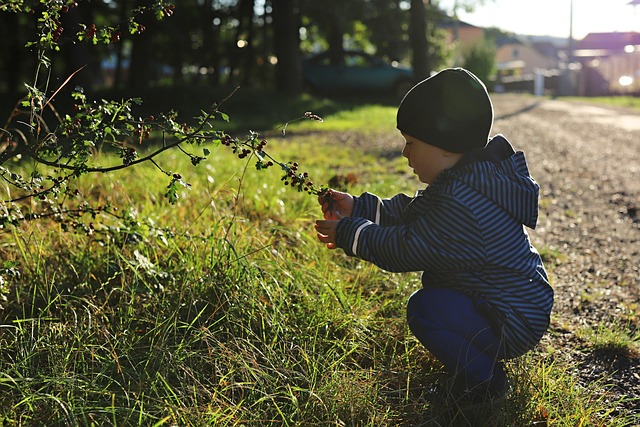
(327, 232)
(336, 204)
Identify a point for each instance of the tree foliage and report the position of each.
(479, 58)
(214, 42)
(44, 150)
(65, 51)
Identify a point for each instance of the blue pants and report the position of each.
(455, 329)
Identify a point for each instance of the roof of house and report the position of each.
(449, 22)
(609, 41)
(547, 49)
(510, 39)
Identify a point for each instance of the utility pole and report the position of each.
(634, 3)
(566, 78)
(570, 41)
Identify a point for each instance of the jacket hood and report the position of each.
(501, 174)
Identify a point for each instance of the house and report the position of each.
(598, 65)
(610, 63)
(521, 58)
(518, 60)
(463, 34)
(523, 65)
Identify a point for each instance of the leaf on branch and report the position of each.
(195, 160)
(173, 187)
(172, 192)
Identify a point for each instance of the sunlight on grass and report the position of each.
(225, 310)
(615, 338)
(367, 119)
(615, 101)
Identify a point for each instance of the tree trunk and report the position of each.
(265, 53)
(249, 51)
(335, 38)
(287, 47)
(418, 39)
(11, 58)
(119, 51)
(211, 36)
(141, 65)
(77, 55)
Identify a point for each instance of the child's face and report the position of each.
(427, 160)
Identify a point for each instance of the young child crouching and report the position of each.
(485, 296)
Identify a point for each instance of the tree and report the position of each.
(418, 37)
(480, 59)
(15, 62)
(245, 39)
(78, 55)
(387, 24)
(287, 46)
(142, 50)
(59, 145)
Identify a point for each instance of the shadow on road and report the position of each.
(518, 112)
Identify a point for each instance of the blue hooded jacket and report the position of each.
(465, 232)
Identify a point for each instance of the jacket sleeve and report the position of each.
(380, 211)
(444, 238)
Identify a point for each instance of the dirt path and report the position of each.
(587, 161)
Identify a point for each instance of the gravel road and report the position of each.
(587, 161)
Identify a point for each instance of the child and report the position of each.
(485, 296)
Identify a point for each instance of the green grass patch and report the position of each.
(613, 338)
(614, 101)
(225, 310)
(366, 119)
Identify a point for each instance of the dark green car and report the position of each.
(354, 71)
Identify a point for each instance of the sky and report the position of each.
(552, 17)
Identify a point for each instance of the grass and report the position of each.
(224, 309)
(615, 101)
(612, 338)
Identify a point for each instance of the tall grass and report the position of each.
(224, 310)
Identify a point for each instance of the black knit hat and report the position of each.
(450, 110)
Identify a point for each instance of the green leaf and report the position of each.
(172, 192)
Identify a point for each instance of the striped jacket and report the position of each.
(465, 231)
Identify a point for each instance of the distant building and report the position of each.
(523, 65)
(463, 34)
(519, 58)
(599, 64)
(610, 63)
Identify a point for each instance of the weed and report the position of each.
(613, 338)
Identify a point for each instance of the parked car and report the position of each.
(354, 71)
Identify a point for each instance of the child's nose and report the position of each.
(405, 151)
